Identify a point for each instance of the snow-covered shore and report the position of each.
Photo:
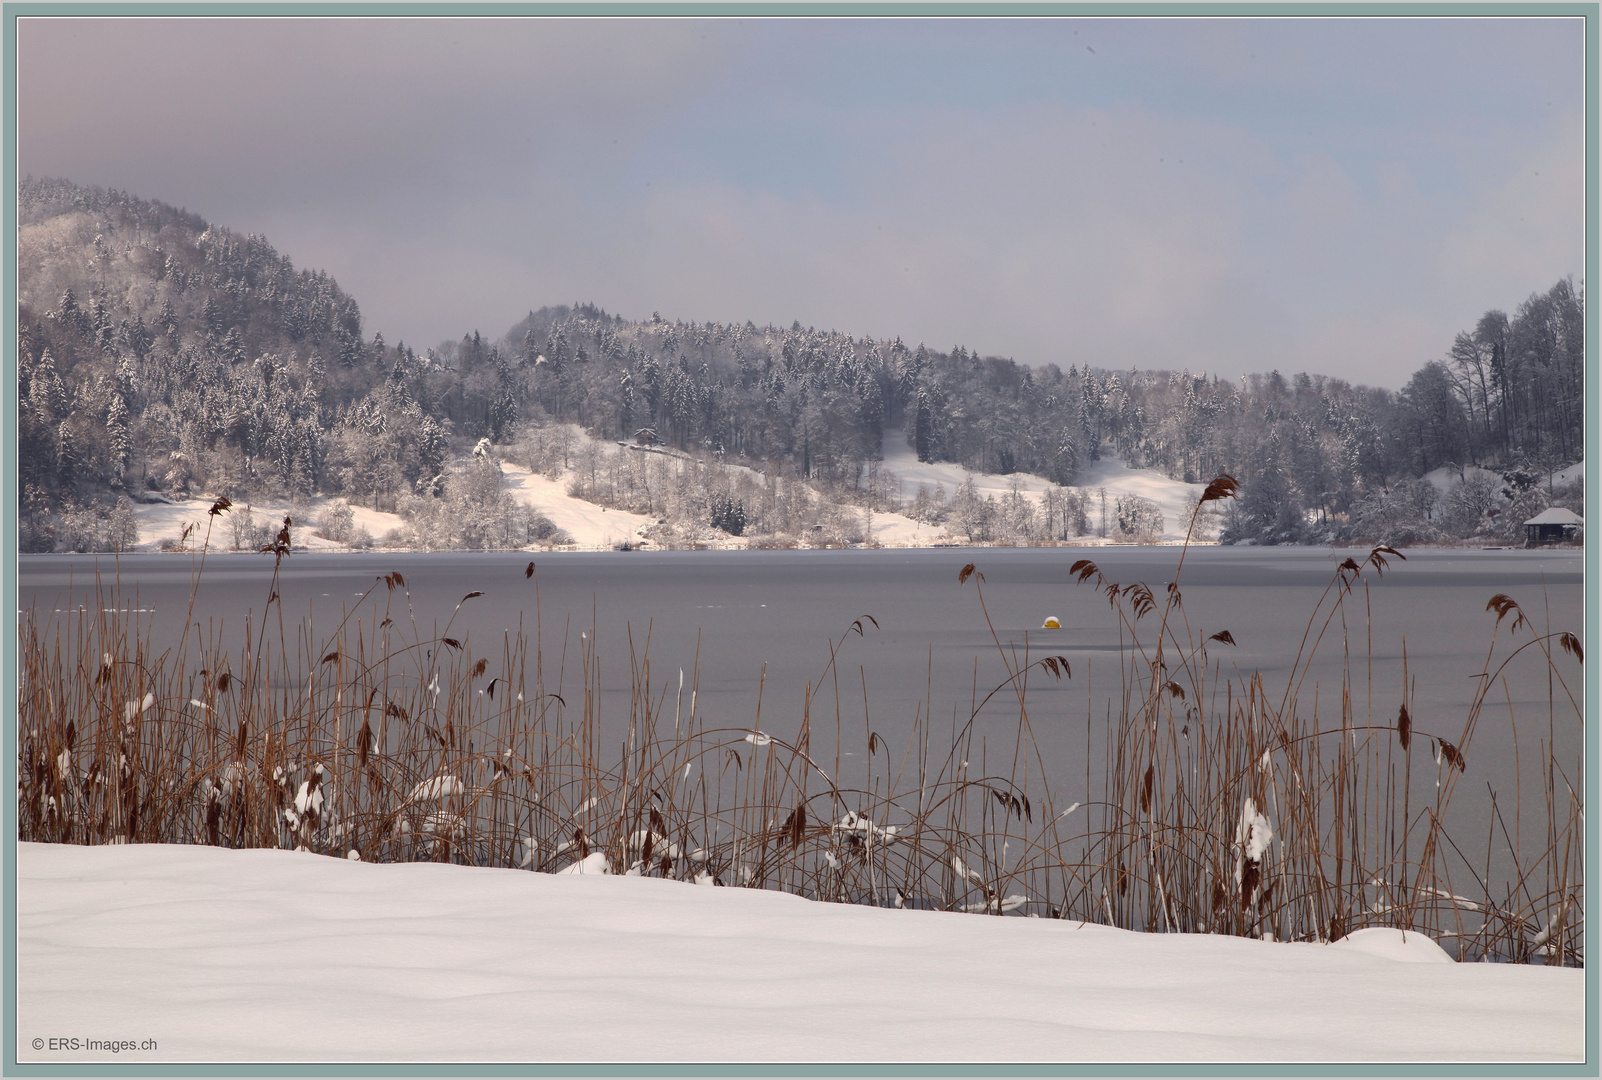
(277, 956)
(590, 527)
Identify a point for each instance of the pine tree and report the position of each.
(119, 438)
(920, 426)
(68, 461)
(47, 396)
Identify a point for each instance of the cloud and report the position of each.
(1051, 234)
(1526, 232)
(1227, 196)
(1374, 348)
(266, 109)
(1047, 233)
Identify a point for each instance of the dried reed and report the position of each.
(375, 741)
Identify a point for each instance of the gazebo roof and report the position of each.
(1556, 515)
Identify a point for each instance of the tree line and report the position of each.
(160, 355)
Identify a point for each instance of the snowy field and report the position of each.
(276, 956)
(159, 522)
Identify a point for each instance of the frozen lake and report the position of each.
(932, 647)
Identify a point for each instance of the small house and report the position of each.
(1552, 525)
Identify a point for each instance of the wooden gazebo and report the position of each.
(1552, 525)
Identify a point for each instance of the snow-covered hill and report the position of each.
(277, 956)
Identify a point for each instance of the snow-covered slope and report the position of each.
(1446, 477)
(592, 527)
(274, 956)
(1573, 474)
(902, 460)
(1174, 498)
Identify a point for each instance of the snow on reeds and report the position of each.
(1226, 807)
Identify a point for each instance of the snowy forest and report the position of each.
(161, 357)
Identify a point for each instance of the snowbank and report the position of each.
(280, 956)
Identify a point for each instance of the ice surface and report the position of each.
(281, 956)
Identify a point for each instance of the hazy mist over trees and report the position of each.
(161, 356)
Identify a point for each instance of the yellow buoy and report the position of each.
(1051, 623)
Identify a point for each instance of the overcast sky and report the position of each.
(1338, 196)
